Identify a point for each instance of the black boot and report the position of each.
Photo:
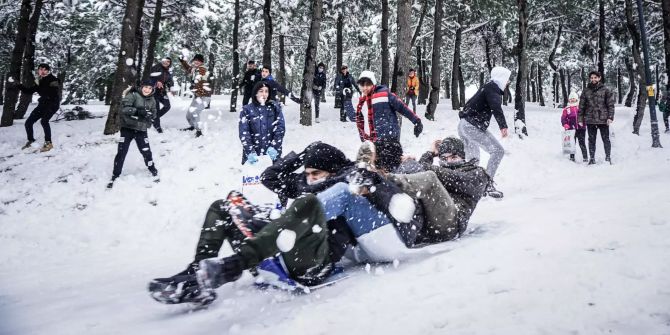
(572, 157)
(592, 161)
(198, 133)
(188, 129)
(429, 116)
(215, 272)
(492, 192)
(608, 159)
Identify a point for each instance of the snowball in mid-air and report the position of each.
(402, 207)
(316, 229)
(10, 80)
(286, 240)
(130, 61)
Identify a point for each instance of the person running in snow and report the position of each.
(202, 93)
(137, 114)
(475, 119)
(412, 89)
(48, 87)
(324, 166)
(569, 121)
(266, 76)
(344, 85)
(261, 127)
(596, 111)
(251, 77)
(383, 107)
(318, 84)
(664, 107)
(161, 77)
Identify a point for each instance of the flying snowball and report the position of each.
(130, 61)
(402, 207)
(286, 240)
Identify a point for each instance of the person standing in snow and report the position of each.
(48, 87)
(569, 121)
(161, 77)
(266, 76)
(596, 107)
(475, 120)
(664, 107)
(383, 107)
(344, 86)
(137, 114)
(412, 89)
(251, 77)
(318, 84)
(202, 93)
(261, 126)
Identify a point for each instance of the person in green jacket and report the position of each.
(137, 115)
(664, 107)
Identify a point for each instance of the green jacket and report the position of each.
(138, 111)
(596, 105)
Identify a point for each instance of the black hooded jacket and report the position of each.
(48, 88)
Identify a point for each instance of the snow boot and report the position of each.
(191, 128)
(214, 272)
(27, 146)
(608, 159)
(47, 146)
(198, 133)
(492, 192)
(592, 161)
(111, 183)
(572, 157)
(180, 289)
(316, 120)
(429, 116)
(154, 173)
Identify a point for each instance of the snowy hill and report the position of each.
(572, 249)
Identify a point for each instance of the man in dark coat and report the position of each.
(475, 120)
(48, 87)
(318, 84)
(266, 76)
(161, 77)
(344, 87)
(596, 111)
(251, 77)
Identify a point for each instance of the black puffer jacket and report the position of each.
(465, 183)
(486, 102)
(596, 105)
(48, 88)
(251, 77)
(138, 111)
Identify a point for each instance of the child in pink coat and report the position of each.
(569, 121)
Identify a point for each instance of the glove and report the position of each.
(294, 98)
(566, 126)
(272, 152)
(252, 158)
(418, 128)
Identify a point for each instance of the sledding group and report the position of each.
(381, 207)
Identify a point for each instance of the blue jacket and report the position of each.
(275, 87)
(382, 119)
(261, 127)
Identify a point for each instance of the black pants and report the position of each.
(140, 137)
(580, 137)
(161, 99)
(317, 101)
(604, 134)
(42, 112)
(665, 119)
(246, 98)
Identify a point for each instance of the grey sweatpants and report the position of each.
(474, 138)
(440, 211)
(194, 110)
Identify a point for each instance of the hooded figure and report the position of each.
(318, 84)
(261, 127)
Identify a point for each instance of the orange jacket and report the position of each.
(413, 85)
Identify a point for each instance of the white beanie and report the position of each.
(370, 75)
(500, 76)
(573, 95)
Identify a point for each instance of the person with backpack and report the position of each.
(48, 87)
(202, 92)
(569, 121)
(137, 114)
(162, 79)
(261, 126)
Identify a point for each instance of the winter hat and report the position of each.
(325, 157)
(388, 154)
(146, 82)
(500, 76)
(368, 74)
(452, 146)
(199, 57)
(573, 95)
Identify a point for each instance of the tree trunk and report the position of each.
(267, 40)
(139, 39)
(540, 93)
(631, 83)
(310, 59)
(619, 89)
(554, 68)
(125, 73)
(12, 92)
(236, 59)
(3, 77)
(340, 42)
(435, 62)
(153, 38)
(487, 51)
(402, 56)
(281, 75)
(635, 50)
(665, 5)
(533, 81)
(519, 101)
(447, 89)
(385, 43)
(28, 79)
(109, 87)
(582, 76)
(602, 42)
(529, 83)
(564, 89)
(455, 73)
(423, 77)
(461, 86)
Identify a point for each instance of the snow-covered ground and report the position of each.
(572, 249)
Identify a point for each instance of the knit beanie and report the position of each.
(388, 155)
(452, 146)
(325, 157)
